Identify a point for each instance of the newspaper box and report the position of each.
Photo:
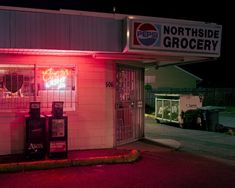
(35, 145)
(57, 132)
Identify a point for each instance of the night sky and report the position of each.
(217, 73)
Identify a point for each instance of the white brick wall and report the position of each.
(90, 126)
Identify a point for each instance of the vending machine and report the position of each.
(35, 145)
(57, 132)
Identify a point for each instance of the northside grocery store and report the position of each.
(93, 63)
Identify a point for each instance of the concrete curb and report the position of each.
(132, 156)
(149, 116)
(169, 143)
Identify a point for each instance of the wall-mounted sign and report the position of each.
(13, 82)
(161, 36)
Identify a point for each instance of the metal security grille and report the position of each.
(56, 84)
(129, 104)
(22, 84)
(16, 86)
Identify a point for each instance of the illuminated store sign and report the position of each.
(55, 79)
(159, 36)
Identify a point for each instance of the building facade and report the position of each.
(94, 63)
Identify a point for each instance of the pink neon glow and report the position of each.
(25, 51)
(55, 78)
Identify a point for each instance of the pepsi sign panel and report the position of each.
(197, 38)
(146, 34)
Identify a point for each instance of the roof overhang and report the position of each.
(143, 41)
(141, 59)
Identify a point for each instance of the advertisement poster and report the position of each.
(58, 128)
(57, 146)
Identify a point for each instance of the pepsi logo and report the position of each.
(147, 34)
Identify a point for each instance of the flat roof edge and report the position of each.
(105, 15)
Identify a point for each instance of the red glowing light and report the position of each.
(55, 78)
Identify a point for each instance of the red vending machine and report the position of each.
(57, 132)
(35, 145)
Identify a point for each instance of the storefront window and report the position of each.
(16, 86)
(56, 84)
(21, 84)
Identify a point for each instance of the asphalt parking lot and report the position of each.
(207, 143)
(227, 119)
(157, 167)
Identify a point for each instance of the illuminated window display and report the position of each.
(55, 78)
(56, 84)
(18, 86)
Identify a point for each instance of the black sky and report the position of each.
(217, 73)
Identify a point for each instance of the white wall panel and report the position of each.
(4, 29)
(91, 126)
(35, 30)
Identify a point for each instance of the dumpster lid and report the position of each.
(167, 94)
(218, 108)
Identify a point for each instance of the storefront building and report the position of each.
(94, 63)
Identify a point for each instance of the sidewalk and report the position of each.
(16, 163)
